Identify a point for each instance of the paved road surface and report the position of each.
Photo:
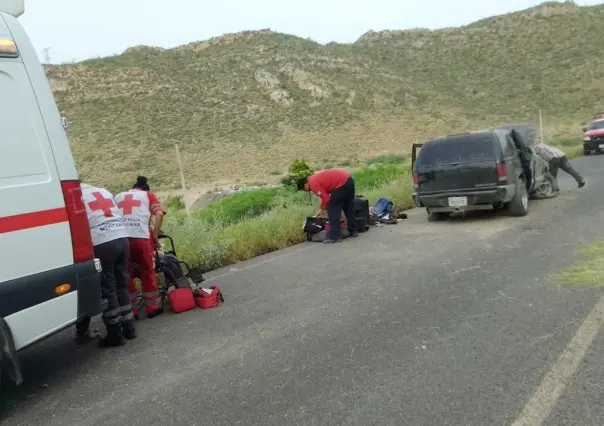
(454, 323)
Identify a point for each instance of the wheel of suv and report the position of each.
(518, 206)
(546, 189)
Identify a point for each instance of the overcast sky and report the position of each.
(80, 29)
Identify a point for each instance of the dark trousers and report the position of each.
(114, 283)
(564, 164)
(341, 199)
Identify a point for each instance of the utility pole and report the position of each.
(182, 176)
(541, 125)
(179, 162)
(46, 52)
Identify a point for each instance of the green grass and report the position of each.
(240, 206)
(588, 272)
(242, 106)
(266, 220)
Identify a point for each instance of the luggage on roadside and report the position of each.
(313, 225)
(317, 228)
(361, 213)
(181, 300)
(209, 297)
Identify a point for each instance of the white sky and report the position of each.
(80, 29)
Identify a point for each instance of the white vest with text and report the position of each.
(104, 217)
(136, 212)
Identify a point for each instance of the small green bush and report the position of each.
(299, 169)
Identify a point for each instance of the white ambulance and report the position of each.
(49, 277)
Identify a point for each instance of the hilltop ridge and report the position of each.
(242, 106)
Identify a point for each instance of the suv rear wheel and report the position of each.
(518, 206)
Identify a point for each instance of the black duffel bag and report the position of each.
(313, 225)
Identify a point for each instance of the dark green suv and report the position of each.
(483, 170)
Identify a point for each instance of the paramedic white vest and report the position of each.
(104, 217)
(136, 212)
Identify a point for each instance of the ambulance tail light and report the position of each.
(81, 240)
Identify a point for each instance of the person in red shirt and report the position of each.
(335, 187)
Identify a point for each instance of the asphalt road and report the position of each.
(453, 323)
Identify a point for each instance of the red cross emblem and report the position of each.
(101, 203)
(128, 203)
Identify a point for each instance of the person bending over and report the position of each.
(335, 187)
(557, 160)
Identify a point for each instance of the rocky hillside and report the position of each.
(242, 106)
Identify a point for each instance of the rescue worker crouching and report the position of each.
(110, 242)
(336, 189)
(138, 205)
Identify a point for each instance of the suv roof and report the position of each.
(497, 131)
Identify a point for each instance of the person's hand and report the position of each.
(319, 213)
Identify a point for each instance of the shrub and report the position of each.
(299, 169)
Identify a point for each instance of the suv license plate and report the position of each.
(601, 146)
(458, 201)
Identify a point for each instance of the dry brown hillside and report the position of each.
(243, 106)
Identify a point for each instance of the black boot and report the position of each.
(155, 313)
(129, 330)
(113, 338)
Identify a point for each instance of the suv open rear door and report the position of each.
(416, 147)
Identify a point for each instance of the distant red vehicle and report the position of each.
(593, 138)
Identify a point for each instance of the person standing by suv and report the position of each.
(336, 189)
(557, 160)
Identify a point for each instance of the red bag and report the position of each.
(206, 300)
(181, 300)
(342, 225)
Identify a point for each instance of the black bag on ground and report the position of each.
(312, 226)
(361, 213)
